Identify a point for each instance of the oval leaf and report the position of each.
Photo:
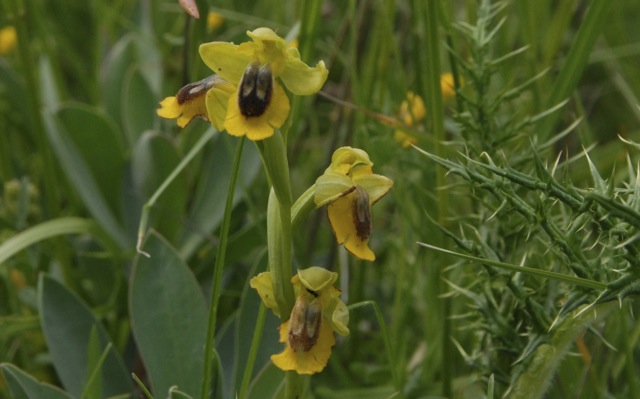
(168, 317)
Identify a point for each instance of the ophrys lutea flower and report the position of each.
(349, 188)
(308, 333)
(189, 102)
(259, 104)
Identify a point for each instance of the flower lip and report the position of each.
(361, 212)
(256, 88)
(304, 324)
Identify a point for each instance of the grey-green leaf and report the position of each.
(23, 386)
(168, 317)
(67, 323)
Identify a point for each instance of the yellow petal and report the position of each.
(342, 219)
(330, 186)
(225, 59)
(316, 278)
(344, 158)
(184, 113)
(258, 127)
(264, 285)
(310, 362)
(340, 317)
(301, 79)
(264, 34)
(190, 101)
(217, 101)
(377, 186)
(169, 108)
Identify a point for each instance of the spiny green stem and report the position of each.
(523, 269)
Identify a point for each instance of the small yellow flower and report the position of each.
(308, 334)
(214, 20)
(349, 188)
(8, 39)
(405, 139)
(412, 111)
(189, 102)
(447, 86)
(259, 105)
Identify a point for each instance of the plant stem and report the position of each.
(534, 382)
(209, 351)
(279, 238)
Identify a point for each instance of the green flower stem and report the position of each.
(253, 352)
(303, 206)
(279, 246)
(535, 380)
(279, 238)
(295, 384)
(209, 350)
(274, 155)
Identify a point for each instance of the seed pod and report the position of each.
(255, 90)
(362, 213)
(304, 324)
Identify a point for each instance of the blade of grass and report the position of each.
(387, 341)
(576, 61)
(428, 15)
(53, 228)
(144, 219)
(253, 352)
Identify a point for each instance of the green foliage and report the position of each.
(524, 192)
(169, 325)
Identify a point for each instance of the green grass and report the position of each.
(507, 250)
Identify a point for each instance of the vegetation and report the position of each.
(220, 240)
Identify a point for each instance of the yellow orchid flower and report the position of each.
(189, 102)
(349, 188)
(259, 105)
(308, 334)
